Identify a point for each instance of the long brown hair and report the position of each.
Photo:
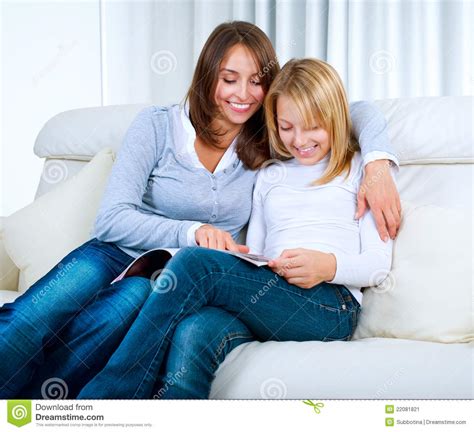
(318, 93)
(252, 142)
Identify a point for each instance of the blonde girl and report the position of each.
(302, 218)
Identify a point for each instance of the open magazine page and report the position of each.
(155, 259)
(147, 263)
(258, 260)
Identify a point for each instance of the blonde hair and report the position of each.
(318, 93)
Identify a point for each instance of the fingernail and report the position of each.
(385, 239)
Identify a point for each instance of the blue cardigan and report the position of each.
(155, 193)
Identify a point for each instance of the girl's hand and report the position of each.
(379, 192)
(211, 237)
(304, 267)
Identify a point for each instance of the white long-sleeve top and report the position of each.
(288, 213)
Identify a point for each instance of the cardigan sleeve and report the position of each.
(120, 218)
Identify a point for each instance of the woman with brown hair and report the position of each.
(183, 177)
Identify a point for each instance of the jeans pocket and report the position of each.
(343, 295)
(348, 310)
(347, 326)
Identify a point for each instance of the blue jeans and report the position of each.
(270, 307)
(67, 330)
(83, 347)
(36, 319)
(199, 345)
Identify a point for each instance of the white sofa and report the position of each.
(434, 141)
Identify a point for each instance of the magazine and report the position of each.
(146, 264)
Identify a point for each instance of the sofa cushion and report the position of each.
(70, 168)
(8, 269)
(38, 236)
(81, 133)
(375, 368)
(443, 185)
(428, 294)
(430, 130)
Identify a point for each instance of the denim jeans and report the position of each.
(270, 307)
(83, 347)
(199, 345)
(63, 333)
(36, 319)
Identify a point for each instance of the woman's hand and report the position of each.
(304, 267)
(379, 192)
(214, 238)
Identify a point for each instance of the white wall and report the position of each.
(60, 55)
(50, 62)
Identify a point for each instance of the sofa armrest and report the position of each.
(9, 272)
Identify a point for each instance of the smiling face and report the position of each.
(239, 92)
(308, 145)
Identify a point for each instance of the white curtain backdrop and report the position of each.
(381, 49)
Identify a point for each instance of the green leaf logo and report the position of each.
(316, 406)
(19, 412)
